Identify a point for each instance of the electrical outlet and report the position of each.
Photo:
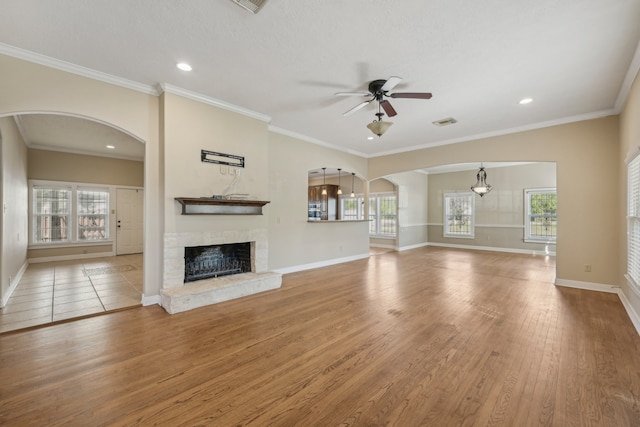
(587, 268)
(224, 169)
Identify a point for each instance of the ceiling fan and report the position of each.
(378, 91)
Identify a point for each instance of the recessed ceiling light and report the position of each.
(184, 66)
(369, 138)
(525, 101)
(111, 147)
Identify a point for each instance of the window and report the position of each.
(51, 214)
(540, 222)
(352, 208)
(459, 209)
(68, 213)
(383, 213)
(633, 221)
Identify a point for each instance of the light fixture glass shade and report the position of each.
(481, 187)
(379, 127)
(324, 181)
(339, 186)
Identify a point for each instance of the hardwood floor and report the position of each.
(427, 337)
(58, 291)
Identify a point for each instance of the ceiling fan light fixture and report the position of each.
(378, 127)
(252, 6)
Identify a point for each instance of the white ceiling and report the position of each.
(575, 58)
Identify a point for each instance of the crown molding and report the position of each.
(168, 88)
(47, 61)
(625, 89)
(315, 141)
(533, 126)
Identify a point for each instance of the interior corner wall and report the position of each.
(294, 242)
(14, 204)
(412, 196)
(587, 161)
(629, 147)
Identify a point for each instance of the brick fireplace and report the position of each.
(178, 295)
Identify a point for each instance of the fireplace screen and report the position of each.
(203, 262)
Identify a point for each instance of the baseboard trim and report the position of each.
(588, 286)
(14, 284)
(151, 300)
(492, 249)
(70, 257)
(326, 263)
(599, 287)
(419, 245)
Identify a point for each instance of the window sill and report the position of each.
(382, 236)
(451, 236)
(70, 244)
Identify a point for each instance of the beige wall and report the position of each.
(629, 146)
(499, 217)
(587, 158)
(13, 253)
(59, 166)
(28, 87)
(412, 192)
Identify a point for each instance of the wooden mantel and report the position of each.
(211, 206)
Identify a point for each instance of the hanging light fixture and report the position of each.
(339, 188)
(324, 181)
(353, 177)
(481, 187)
(379, 127)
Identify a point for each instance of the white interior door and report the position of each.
(129, 218)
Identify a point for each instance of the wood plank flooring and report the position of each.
(427, 337)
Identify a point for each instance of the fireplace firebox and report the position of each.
(203, 262)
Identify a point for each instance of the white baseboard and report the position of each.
(492, 248)
(633, 315)
(327, 263)
(14, 284)
(599, 287)
(150, 300)
(589, 286)
(71, 257)
(406, 248)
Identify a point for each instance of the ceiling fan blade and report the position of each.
(358, 107)
(353, 94)
(391, 83)
(386, 106)
(415, 95)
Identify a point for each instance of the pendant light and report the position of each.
(481, 187)
(378, 127)
(324, 181)
(339, 188)
(353, 177)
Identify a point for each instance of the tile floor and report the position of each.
(55, 291)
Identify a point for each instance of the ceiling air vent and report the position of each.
(251, 5)
(445, 122)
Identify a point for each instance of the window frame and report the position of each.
(73, 237)
(359, 198)
(470, 198)
(528, 192)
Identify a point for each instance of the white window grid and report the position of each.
(352, 208)
(541, 220)
(459, 215)
(67, 213)
(383, 214)
(633, 221)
